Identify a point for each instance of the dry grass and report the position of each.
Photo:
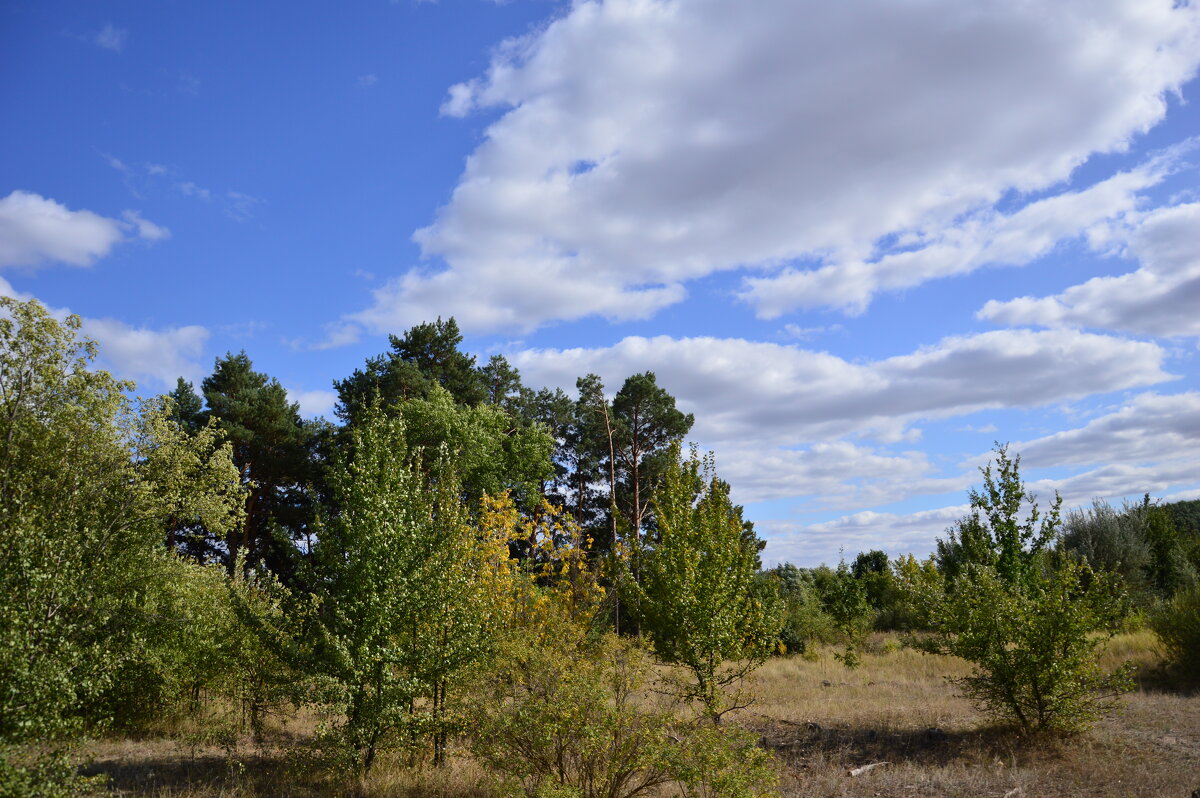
(823, 720)
(820, 719)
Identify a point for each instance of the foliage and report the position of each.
(425, 356)
(409, 593)
(699, 600)
(1029, 623)
(491, 454)
(271, 450)
(999, 534)
(846, 603)
(805, 622)
(565, 714)
(87, 484)
(1177, 624)
(1110, 540)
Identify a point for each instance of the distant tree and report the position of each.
(699, 599)
(502, 384)
(427, 355)
(591, 454)
(1168, 570)
(186, 407)
(1110, 540)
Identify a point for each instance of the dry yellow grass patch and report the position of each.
(819, 718)
(824, 720)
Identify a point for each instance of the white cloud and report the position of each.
(743, 391)
(645, 143)
(915, 533)
(1149, 428)
(190, 189)
(1161, 298)
(35, 229)
(313, 403)
(111, 37)
(828, 475)
(146, 229)
(984, 238)
(140, 353)
(367, 81)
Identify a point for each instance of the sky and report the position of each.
(861, 241)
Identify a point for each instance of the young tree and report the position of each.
(1029, 623)
(699, 599)
(409, 593)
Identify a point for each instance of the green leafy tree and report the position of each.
(1177, 624)
(409, 593)
(491, 454)
(1029, 623)
(847, 604)
(699, 599)
(87, 484)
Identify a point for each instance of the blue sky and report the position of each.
(860, 241)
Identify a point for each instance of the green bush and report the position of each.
(570, 717)
(1177, 624)
(1029, 620)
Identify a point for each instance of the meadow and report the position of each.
(820, 720)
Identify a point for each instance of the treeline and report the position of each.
(467, 562)
(1154, 548)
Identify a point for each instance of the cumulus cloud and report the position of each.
(34, 229)
(829, 475)
(750, 391)
(983, 238)
(141, 353)
(915, 533)
(1160, 298)
(645, 143)
(1149, 428)
(313, 403)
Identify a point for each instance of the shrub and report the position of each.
(565, 716)
(1029, 625)
(1177, 624)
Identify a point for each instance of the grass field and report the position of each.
(820, 720)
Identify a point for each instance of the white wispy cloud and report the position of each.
(111, 37)
(313, 403)
(645, 143)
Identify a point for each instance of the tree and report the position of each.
(645, 423)
(1110, 540)
(88, 481)
(408, 592)
(271, 448)
(1028, 622)
(427, 355)
(699, 599)
(491, 455)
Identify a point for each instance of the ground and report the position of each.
(821, 721)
